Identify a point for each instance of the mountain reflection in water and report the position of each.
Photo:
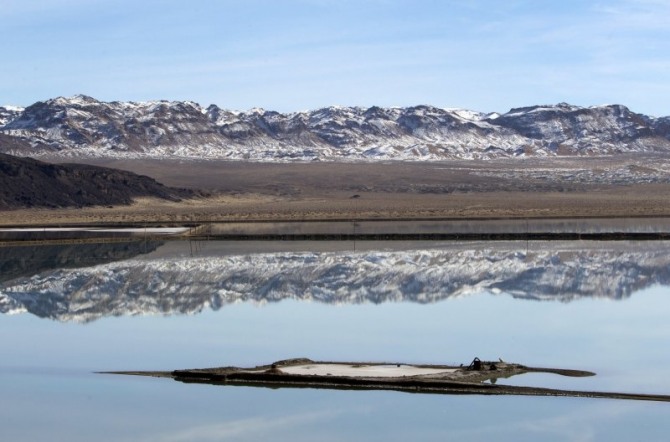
(178, 283)
(21, 261)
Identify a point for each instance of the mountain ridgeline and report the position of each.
(82, 126)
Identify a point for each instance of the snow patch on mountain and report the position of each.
(9, 113)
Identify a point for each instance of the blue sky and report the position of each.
(485, 55)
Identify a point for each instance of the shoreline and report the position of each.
(603, 228)
(45, 221)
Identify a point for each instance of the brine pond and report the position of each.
(69, 311)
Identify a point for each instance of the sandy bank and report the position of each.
(636, 201)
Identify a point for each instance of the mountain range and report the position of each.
(82, 126)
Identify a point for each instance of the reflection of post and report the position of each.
(355, 217)
(527, 234)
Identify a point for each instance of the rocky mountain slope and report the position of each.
(25, 182)
(186, 285)
(9, 113)
(85, 127)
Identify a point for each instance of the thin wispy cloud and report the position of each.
(581, 425)
(261, 428)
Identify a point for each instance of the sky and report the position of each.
(292, 55)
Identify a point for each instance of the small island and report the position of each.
(479, 377)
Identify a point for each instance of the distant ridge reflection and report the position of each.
(167, 284)
(21, 261)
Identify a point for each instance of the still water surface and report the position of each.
(70, 311)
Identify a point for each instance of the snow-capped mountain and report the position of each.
(186, 285)
(81, 126)
(9, 113)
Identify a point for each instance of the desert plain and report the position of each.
(571, 187)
